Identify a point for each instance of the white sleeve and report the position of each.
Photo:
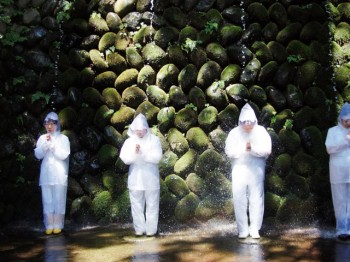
(128, 153)
(153, 152)
(60, 147)
(261, 145)
(335, 142)
(233, 148)
(41, 148)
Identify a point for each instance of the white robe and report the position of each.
(248, 172)
(338, 147)
(143, 176)
(53, 177)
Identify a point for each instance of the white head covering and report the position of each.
(52, 116)
(344, 112)
(247, 114)
(139, 123)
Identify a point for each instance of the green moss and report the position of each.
(98, 61)
(107, 41)
(167, 163)
(177, 56)
(185, 119)
(185, 163)
(217, 138)
(154, 56)
(207, 208)
(177, 97)
(177, 141)
(304, 164)
(157, 96)
(185, 209)
(230, 33)
(166, 118)
(112, 98)
(126, 78)
(197, 97)
(68, 117)
(217, 53)
(290, 140)
(209, 161)
(102, 117)
(149, 110)
(101, 204)
(166, 35)
(208, 73)
(275, 184)
(146, 77)
(167, 76)
(283, 164)
(272, 204)
(197, 139)
(228, 118)
(177, 185)
(187, 77)
(262, 51)
(207, 118)
(196, 184)
(116, 62)
(133, 58)
(133, 96)
(122, 117)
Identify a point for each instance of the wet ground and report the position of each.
(213, 241)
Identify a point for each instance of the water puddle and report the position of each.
(212, 241)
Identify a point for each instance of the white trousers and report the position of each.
(145, 222)
(341, 204)
(54, 205)
(248, 196)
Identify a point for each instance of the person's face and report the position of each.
(50, 126)
(140, 133)
(247, 126)
(345, 123)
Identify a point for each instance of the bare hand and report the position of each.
(248, 147)
(48, 137)
(137, 148)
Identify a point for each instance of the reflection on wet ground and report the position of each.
(213, 241)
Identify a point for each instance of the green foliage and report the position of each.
(218, 85)
(189, 45)
(109, 113)
(295, 59)
(64, 13)
(38, 95)
(12, 37)
(19, 120)
(191, 106)
(288, 124)
(18, 80)
(14, 34)
(211, 27)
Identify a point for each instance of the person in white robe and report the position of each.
(248, 146)
(142, 151)
(338, 147)
(53, 149)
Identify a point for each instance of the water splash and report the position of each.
(244, 24)
(151, 19)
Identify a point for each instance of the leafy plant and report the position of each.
(38, 95)
(191, 106)
(18, 80)
(64, 13)
(211, 27)
(189, 45)
(288, 124)
(295, 59)
(108, 113)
